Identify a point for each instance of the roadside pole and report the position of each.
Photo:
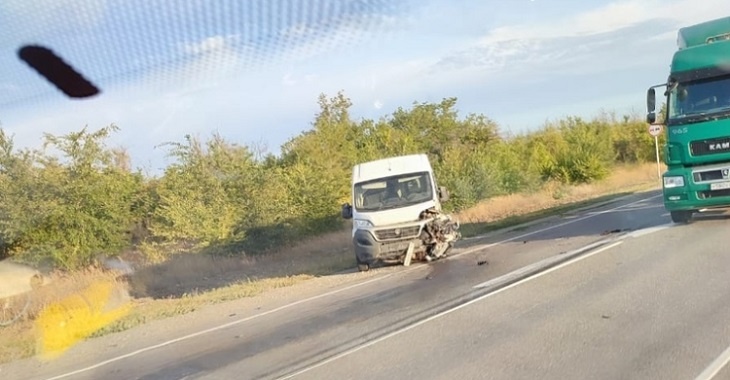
(655, 130)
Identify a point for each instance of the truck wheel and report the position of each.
(681, 217)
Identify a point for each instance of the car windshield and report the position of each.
(393, 192)
(700, 98)
(177, 196)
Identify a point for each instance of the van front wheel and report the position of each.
(362, 266)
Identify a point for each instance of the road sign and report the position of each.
(655, 130)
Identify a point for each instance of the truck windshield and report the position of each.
(694, 101)
(393, 192)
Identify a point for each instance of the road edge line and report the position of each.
(542, 265)
(716, 366)
(552, 227)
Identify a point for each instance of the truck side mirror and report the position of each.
(347, 211)
(651, 106)
(651, 100)
(651, 118)
(443, 194)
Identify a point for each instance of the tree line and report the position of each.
(75, 198)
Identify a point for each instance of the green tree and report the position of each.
(201, 195)
(67, 207)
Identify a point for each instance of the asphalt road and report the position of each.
(610, 292)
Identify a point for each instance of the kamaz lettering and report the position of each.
(719, 146)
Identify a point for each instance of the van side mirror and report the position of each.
(443, 194)
(347, 211)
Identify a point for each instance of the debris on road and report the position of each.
(608, 232)
(439, 234)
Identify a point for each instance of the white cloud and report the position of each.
(613, 16)
(307, 41)
(608, 18)
(207, 63)
(616, 32)
(29, 20)
(290, 78)
(9, 87)
(210, 44)
(218, 56)
(667, 36)
(297, 30)
(287, 80)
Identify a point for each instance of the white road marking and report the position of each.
(716, 366)
(323, 295)
(540, 264)
(549, 260)
(592, 215)
(627, 209)
(443, 313)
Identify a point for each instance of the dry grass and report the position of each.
(186, 274)
(187, 282)
(18, 342)
(622, 179)
(62, 285)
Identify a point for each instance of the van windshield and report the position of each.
(393, 192)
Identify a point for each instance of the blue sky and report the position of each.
(252, 70)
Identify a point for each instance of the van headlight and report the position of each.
(673, 181)
(360, 223)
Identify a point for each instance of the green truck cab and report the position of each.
(697, 120)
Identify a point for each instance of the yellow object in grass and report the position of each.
(65, 323)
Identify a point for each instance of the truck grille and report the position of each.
(712, 146)
(710, 175)
(713, 194)
(397, 233)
